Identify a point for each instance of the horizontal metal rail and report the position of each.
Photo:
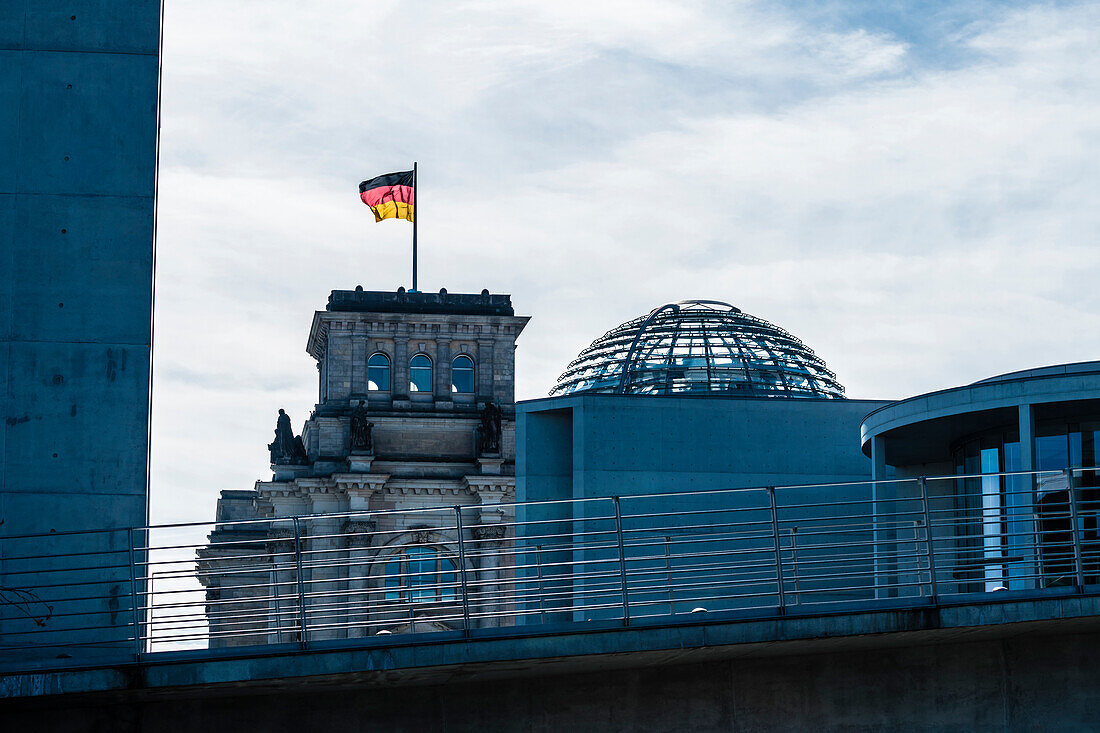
(106, 594)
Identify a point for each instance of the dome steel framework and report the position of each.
(699, 347)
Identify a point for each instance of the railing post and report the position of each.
(139, 647)
(933, 588)
(794, 565)
(778, 551)
(668, 575)
(303, 629)
(1078, 565)
(622, 559)
(462, 573)
(542, 591)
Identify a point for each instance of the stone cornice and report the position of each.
(266, 489)
(484, 328)
(503, 486)
(424, 487)
(360, 481)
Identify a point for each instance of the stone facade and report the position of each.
(363, 515)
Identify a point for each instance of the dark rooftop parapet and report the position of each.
(403, 301)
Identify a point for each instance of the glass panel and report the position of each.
(1051, 452)
(393, 580)
(462, 375)
(421, 573)
(991, 519)
(378, 373)
(967, 527)
(420, 374)
(449, 582)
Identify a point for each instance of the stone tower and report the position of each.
(415, 411)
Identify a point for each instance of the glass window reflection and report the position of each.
(378, 373)
(420, 374)
(462, 374)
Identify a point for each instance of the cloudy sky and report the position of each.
(909, 187)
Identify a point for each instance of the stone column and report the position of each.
(493, 602)
(359, 489)
(504, 368)
(338, 365)
(443, 371)
(286, 501)
(494, 570)
(360, 351)
(485, 368)
(323, 563)
(400, 373)
(284, 589)
(359, 534)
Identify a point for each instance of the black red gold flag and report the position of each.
(392, 196)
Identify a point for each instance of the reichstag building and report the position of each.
(418, 496)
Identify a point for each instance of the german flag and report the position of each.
(392, 196)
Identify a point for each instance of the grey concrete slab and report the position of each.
(93, 25)
(88, 123)
(7, 263)
(78, 130)
(13, 23)
(11, 82)
(73, 271)
(77, 421)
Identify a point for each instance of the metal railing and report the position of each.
(78, 597)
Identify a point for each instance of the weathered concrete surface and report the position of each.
(1008, 666)
(78, 132)
(78, 135)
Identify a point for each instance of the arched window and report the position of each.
(420, 374)
(378, 372)
(462, 374)
(421, 574)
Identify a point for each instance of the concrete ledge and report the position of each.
(583, 649)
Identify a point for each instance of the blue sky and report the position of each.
(908, 187)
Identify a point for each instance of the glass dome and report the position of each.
(699, 347)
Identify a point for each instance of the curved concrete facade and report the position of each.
(915, 435)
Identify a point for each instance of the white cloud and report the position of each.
(919, 226)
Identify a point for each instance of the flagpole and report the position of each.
(416, 217)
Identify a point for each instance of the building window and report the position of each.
(462, 374)
(421, 575)
(378, 373)
(1016, 531)
(420, 374)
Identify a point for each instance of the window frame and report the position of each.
(413, 388)
(400, 587)
(472, 370)
(389, 372)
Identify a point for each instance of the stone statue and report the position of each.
(361, 428)
(287, 449)
(488, 433)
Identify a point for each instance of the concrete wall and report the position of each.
(669, 458)
(628, 444)
(1025, 683)
(78, 132)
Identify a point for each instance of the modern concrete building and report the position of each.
(78, 153)
(415, 416)
(1013, 530)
